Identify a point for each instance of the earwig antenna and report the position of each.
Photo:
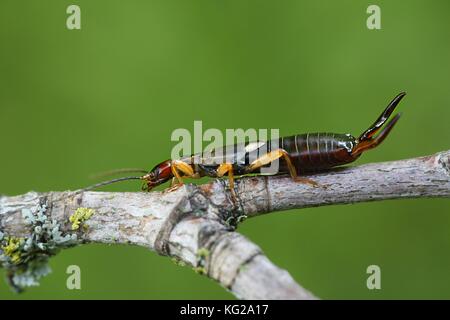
(104, 183)
(116, 171)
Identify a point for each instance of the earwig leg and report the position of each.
(179, 169)
(276, 154)
(307, 181)
(228, 168)
(173, 182)
(184, 168)
(173, 187)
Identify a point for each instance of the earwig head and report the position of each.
(367, 140)
(158, 175)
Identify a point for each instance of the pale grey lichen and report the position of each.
(26, 259)
(30, 277)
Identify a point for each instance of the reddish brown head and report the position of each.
(158, 175)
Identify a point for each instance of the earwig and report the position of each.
(299, 154)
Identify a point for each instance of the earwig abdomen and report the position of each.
(308, 152)
(318, 151)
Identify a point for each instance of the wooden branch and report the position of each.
(182, 224)
(424, 177)
(195, 224)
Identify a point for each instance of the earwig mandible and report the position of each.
(299, 154)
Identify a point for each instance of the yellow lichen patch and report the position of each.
(11, 249)
(202, 253)
(178, 262)
(200, 270)
(80, 216)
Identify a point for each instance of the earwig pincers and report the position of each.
(299, 154)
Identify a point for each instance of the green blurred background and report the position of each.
(108, 96)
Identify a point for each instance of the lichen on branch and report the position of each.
(26, 258)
